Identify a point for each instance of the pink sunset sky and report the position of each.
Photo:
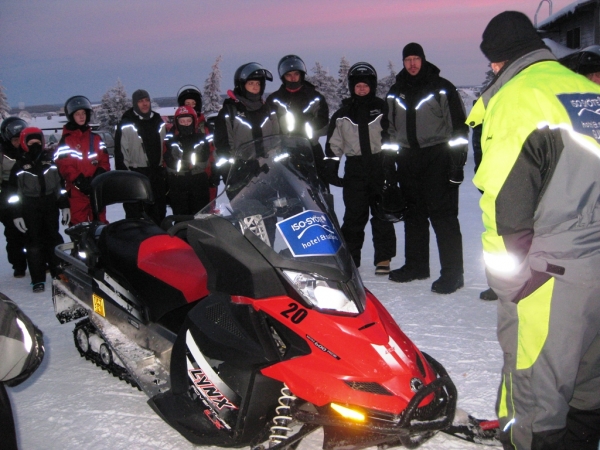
(51, 50)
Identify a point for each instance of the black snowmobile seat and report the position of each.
(119, 186)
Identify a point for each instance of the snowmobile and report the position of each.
(248, 324)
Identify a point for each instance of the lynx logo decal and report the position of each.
(310, 233)
(584, 112)
(205, 388)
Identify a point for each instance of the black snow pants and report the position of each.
(41, 217)
(188, 193)
(362, 186)
(15, 242)
(423, 175)
(8, 435)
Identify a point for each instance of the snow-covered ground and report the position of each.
(71, 404)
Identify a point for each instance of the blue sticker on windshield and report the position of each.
(584, 111)
(310, 233)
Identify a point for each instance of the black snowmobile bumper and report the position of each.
(410, 428)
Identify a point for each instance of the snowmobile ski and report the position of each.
(478, 431)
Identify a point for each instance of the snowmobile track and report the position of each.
(112, 368)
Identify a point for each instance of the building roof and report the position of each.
(562, 13)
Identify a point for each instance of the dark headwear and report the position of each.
(508, 36)
(413, 49)
(136, 97)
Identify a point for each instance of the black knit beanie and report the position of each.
(413, 49)
(508, 36)
(136, 97)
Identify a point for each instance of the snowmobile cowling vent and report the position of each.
(370, 387)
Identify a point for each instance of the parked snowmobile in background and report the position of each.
(248, 324)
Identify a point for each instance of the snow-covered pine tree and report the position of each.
(326, 85)
(4, 106)
(385, 83)
(114, 103)
(342, 81)
(211, 97)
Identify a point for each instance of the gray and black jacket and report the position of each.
(425, 110)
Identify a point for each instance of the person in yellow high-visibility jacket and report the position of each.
(540, 177)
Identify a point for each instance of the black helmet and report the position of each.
(362, 72)
(11, 127)
(251, 71)
(289, 63)
(189, 91)
(76, 103)
(391, 205)
(589, 60)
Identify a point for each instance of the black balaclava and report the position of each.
(35, 149)
(509, 36)
(136, 97)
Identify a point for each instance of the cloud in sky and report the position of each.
(51, 50)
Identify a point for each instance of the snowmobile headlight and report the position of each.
(348, 413)
(320, 293)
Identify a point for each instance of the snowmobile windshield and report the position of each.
(274, 198)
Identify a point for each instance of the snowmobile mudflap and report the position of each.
(67, 306)
(410, 428)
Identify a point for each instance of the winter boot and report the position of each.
(19, 273)
(488, 294)
(447, 284)
(405, 274)
(382, 268)
(39, 287)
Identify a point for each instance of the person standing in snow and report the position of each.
(301, 109)
(244, 116)
(189, 95)
(37, 195)
(427, 121)
(10, 152)
(186, 157)
(22, 350)
(80, 156)
(540, 204)
(359, 131)
(139, 147)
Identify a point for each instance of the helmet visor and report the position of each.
(255, 70)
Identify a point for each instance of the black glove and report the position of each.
(83, 184)
(99, 171)
(458, 158)
(330, 172)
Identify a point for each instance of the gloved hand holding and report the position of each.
(20, 224)
(331, 168)
(99, 171)
(66, 216)
(83, 184)
(458, 158)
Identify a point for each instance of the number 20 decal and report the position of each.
(295, 313)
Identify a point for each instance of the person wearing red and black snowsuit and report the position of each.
(37, 196)
(301, 109)
(244, 116)
(10, 152)
(186, 157)
(80, 156)
(189, 95)
(358, 130)
(427, 121)
(139, 143)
